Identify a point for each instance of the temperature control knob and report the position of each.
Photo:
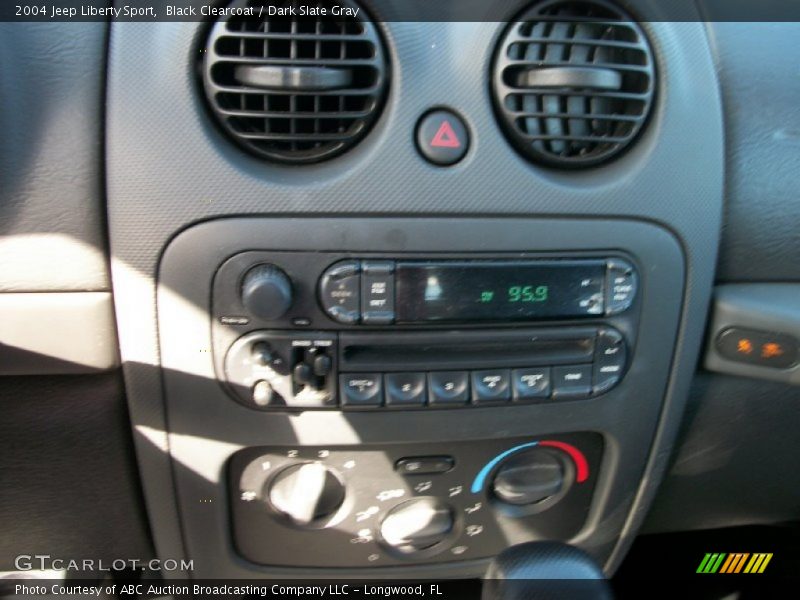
(417, 524)
(530, 477)
(308, 494)
(266, 292)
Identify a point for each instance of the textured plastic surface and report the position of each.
(168, 167)
(57, 333)
(735, 463)
(762, 132)
(70, 486)
(52, 227)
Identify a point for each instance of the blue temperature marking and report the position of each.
(480, 478)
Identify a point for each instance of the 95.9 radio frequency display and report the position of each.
(498, 290)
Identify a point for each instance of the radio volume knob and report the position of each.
(266, 292)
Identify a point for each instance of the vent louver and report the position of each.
(295, 89)
(573, 82)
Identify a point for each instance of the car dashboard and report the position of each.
(380, 294)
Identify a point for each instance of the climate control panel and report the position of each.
(402, 503)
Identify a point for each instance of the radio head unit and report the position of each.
(380, 292)
(497, 291)
(326, 331)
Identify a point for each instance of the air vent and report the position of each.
(294, 89)
(573, 82)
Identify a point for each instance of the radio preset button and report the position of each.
(405, 389)
(448, 387)
(621, 286)
(491, 386)
(531, 383)
(377, 292)
(572, 381)
(361, 389)
(339, 291)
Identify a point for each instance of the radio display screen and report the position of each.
(498, 290)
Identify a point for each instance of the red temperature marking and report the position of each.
(581, 465)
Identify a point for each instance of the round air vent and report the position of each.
(573, 82)
(295, 88)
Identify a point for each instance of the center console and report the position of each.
(385, 396)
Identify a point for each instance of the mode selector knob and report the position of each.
(266, 292)
(417, 524)
(530, 477)
(308, 494)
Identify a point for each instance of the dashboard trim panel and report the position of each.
(206, 426)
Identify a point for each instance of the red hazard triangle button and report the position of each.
(445, 137)
(442, 137)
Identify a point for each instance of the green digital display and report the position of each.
(527, 293)
(519, 293)
(497, 290)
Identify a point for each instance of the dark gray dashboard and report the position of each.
(717, 155)
(173, 169)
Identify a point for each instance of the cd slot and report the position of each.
(466, 349)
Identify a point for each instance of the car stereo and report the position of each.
(382, 292)
(324, 331)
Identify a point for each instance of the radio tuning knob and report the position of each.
(266, 292)
(308, 494)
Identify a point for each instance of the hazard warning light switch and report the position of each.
(442, 137)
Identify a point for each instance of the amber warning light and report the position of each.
(763, 348)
